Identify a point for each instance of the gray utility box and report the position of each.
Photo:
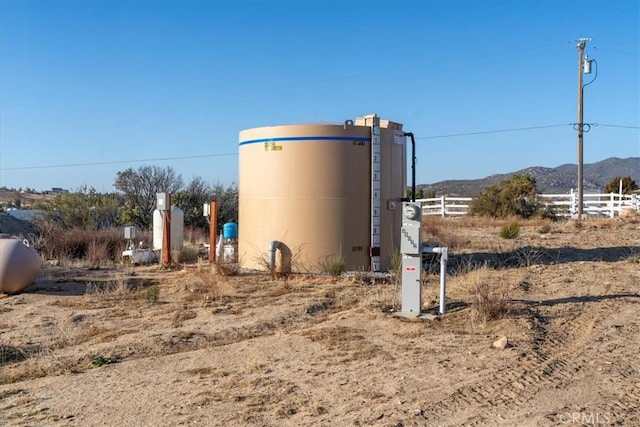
(129, 232)
(163, 201)
(411, 249)
(410, 238)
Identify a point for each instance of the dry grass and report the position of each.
(528, 256)
(334, 265)
(209, 287)
(97, 254)
(227, 268)
(195, 236)
(437, 232)
(490, 296)
(190, 254)
(20, 363)
(278, 353)
(95, 247)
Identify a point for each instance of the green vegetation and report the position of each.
(85, 209)
(628, 185)
(422, 194)
(510, 231)
(515, 196)
(334, 265)
(153, 293)
(140, 187)
(100, 360)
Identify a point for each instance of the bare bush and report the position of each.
(465, 265)
(227, 268)
(489, 299)
(189, 253)
(209, 287)
(96, 247)
(195, 235)
(97, 254)
(437, 233)
(527, 256)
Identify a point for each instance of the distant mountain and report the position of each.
(549, 180)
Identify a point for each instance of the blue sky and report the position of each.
(86, 82)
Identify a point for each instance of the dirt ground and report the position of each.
(143, 346)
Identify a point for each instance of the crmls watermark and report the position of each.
(587, 418)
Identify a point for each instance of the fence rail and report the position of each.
(565, 205)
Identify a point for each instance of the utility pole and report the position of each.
(582, 42)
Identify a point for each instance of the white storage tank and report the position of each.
(177, 229)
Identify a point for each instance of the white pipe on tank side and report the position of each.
(272, 254)
(285, 257)
(444, 257)
(219, 247)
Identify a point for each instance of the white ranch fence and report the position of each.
(565, 205)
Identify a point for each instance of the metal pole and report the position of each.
(213, 230)
(444, 256)
(166, 238)
(581, 45)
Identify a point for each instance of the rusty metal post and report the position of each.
(213, 230)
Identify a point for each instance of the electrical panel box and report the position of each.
(163, 201)
(410, 235)
(129, 232)
(411, 285)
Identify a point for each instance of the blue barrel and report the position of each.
(230, 230)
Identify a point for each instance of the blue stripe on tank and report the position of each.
(305, 138)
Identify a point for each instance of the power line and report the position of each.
(200, 156)
(617, 126)
(493, 131)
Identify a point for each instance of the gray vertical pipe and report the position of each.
(444, 256)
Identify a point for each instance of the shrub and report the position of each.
(227, 268)
(153, 293)
(96, 247)
(334, 265)
(100, 360)
(189, 254)
(491, 301)
(516, 195)
(97, 254)
(628, 185)
(510, 231)
(438, 234)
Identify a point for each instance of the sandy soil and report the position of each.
(141, 346)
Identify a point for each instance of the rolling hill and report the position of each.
(560, 179)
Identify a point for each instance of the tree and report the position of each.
(84, 208)
(516, 195)
(227, 201)
(140, 187)
(628, 185)
(191, 200)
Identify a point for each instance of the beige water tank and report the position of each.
(19, 265)
(312, 188)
